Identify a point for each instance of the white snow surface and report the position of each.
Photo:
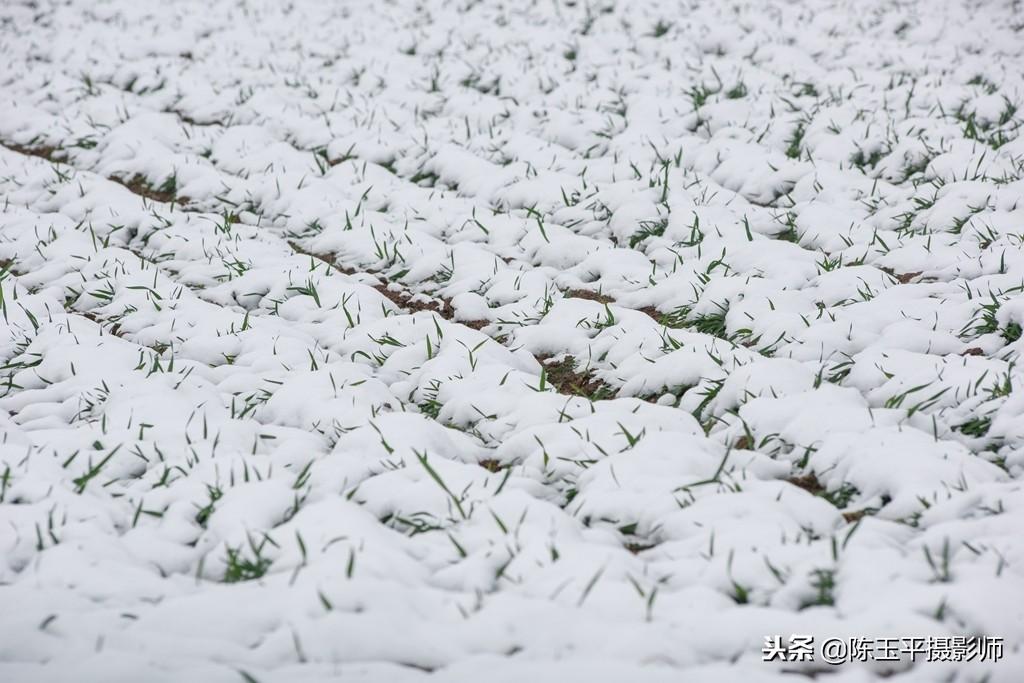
(477, 341)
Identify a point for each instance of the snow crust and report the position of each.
(463, 341)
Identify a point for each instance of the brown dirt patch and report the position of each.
(566, 380)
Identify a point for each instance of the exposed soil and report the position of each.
(566, 380)
(140, 186)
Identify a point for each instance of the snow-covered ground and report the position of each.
(477, 341)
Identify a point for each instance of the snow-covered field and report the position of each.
(477, 341)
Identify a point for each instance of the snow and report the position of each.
(459, 341)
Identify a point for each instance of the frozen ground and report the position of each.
(468, 341)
